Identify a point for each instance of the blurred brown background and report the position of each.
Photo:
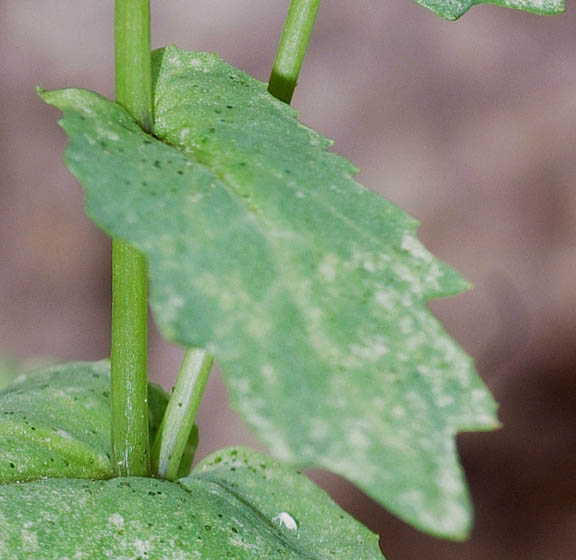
(469, 126)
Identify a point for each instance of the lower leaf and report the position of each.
(237, 504)
(56, 423)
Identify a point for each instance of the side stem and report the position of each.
(178, 420)
(292, 48)
(129, 383)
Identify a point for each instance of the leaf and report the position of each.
(9, 369)
(453, 9)
(212, 515)
(56, 423)
(305, 515)
(309, 289)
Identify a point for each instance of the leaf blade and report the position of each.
(303, 514)
(309, 289)
(56, 423)
(195, 518)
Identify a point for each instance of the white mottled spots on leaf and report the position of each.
(357, 440)
(29, 540)
(142, 547)
(371, 350)
(195, 197)
(328, 267)
(444, 400)
(398, 411)
(185, 134)
(406, 325)
(117, 521)
(411, 244)
(384, 298)
(369, 265)
(319, 429)
(448, 482)
(64, 434)
(269, 373)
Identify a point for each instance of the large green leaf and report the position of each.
(453, 9)
(249, 511)
(309, 289)
(56, 423)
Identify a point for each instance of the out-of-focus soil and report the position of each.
(469, 126)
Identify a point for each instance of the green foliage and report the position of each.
(453, 9)
(56, 423)
(309, 289)
(238, 504)
(9, 370)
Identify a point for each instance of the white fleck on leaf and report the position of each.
(284, 519)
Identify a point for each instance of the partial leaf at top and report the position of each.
(453, 9)
(309, 289)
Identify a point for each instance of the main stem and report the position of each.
(292, 48)
(129, 383)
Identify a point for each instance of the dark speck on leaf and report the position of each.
(157, 164)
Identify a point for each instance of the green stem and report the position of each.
(129, 383)
(180, 414)
(292, 48)
(133, 60)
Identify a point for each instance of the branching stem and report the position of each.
(180, 414)
(292, 48)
